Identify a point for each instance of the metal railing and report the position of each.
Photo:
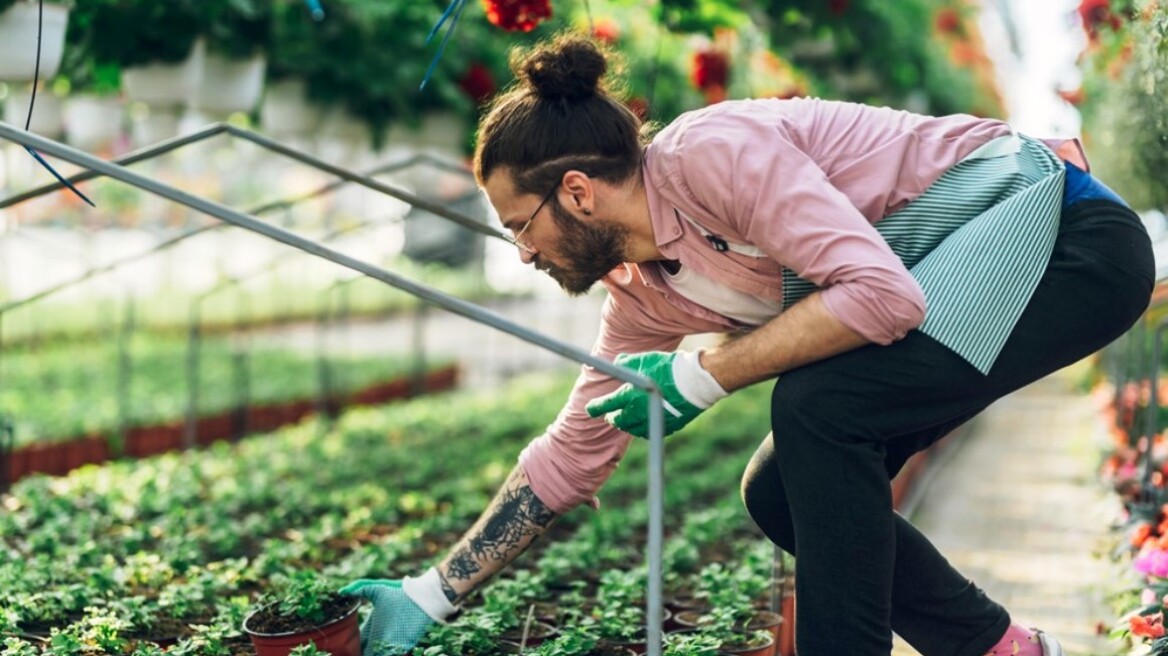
(95, 167)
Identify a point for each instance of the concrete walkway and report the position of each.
(1017, 507)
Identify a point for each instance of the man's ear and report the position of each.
(582, 189)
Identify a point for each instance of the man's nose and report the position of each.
(526, 256)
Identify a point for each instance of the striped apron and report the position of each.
(977, 241)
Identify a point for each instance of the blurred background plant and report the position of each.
(1124, 96)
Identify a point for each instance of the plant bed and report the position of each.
(57, 458)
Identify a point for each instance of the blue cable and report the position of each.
(455, 10)
(316, 9)
(36, 76)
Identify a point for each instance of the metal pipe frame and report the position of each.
(216, 129)
(270, 206)
(656, 473)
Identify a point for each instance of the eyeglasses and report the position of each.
(517, 239)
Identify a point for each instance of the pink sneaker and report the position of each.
(1021, 641)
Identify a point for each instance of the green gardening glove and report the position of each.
(402, 612)
(687, 388)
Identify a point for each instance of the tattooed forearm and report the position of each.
(512, 522)
(447, 589)
(518, 514)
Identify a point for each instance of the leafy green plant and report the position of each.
(237, 28)
(307, 649)
(691, 644)
(303, 594)
(14, 646)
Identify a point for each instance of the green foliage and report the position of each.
(378, 496)
(237, 28)
(303, 594)
(691, 644)
(69, 389)
(135, 32)
(1126, 113)
(308, 649)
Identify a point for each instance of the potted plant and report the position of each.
(19, 21)
(155, 44)
(303, 608)
(93, 111)
(507, 602)
(237, 33)
(294, 53)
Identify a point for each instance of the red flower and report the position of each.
(1094, 13)
(606, 30)
(477, 82)
(838, 7)
(1150, 626)
(710, 69)
(947, 20)
(517, 15)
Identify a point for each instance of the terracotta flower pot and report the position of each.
(339, 637)
(787, 629)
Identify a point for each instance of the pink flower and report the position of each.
(1152, 561)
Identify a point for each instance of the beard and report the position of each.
(588, 250)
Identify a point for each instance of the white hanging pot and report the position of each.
(286, 110)
(93, 123)
(165, 85)
(18, 41)
(46, 115)
(230, 85)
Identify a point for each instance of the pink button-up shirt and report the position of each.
(803, 181)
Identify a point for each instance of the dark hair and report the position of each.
(558, 116)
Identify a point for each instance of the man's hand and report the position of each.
(687, 388)
(401, 613)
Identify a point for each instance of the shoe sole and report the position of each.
(1050, 646)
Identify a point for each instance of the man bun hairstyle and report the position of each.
(560, 114)
(570, 69)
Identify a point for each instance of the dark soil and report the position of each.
(269, 621)
(167, 630)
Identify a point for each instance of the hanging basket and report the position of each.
(18, 41)
(230, 85)
(165, 85)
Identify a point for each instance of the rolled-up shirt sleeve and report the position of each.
(570, 462)
(756, 178)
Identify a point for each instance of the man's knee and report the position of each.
(764, 497)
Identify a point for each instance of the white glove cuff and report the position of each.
(426, 592)
(694, 382)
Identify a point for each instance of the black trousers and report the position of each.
(842, 427)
